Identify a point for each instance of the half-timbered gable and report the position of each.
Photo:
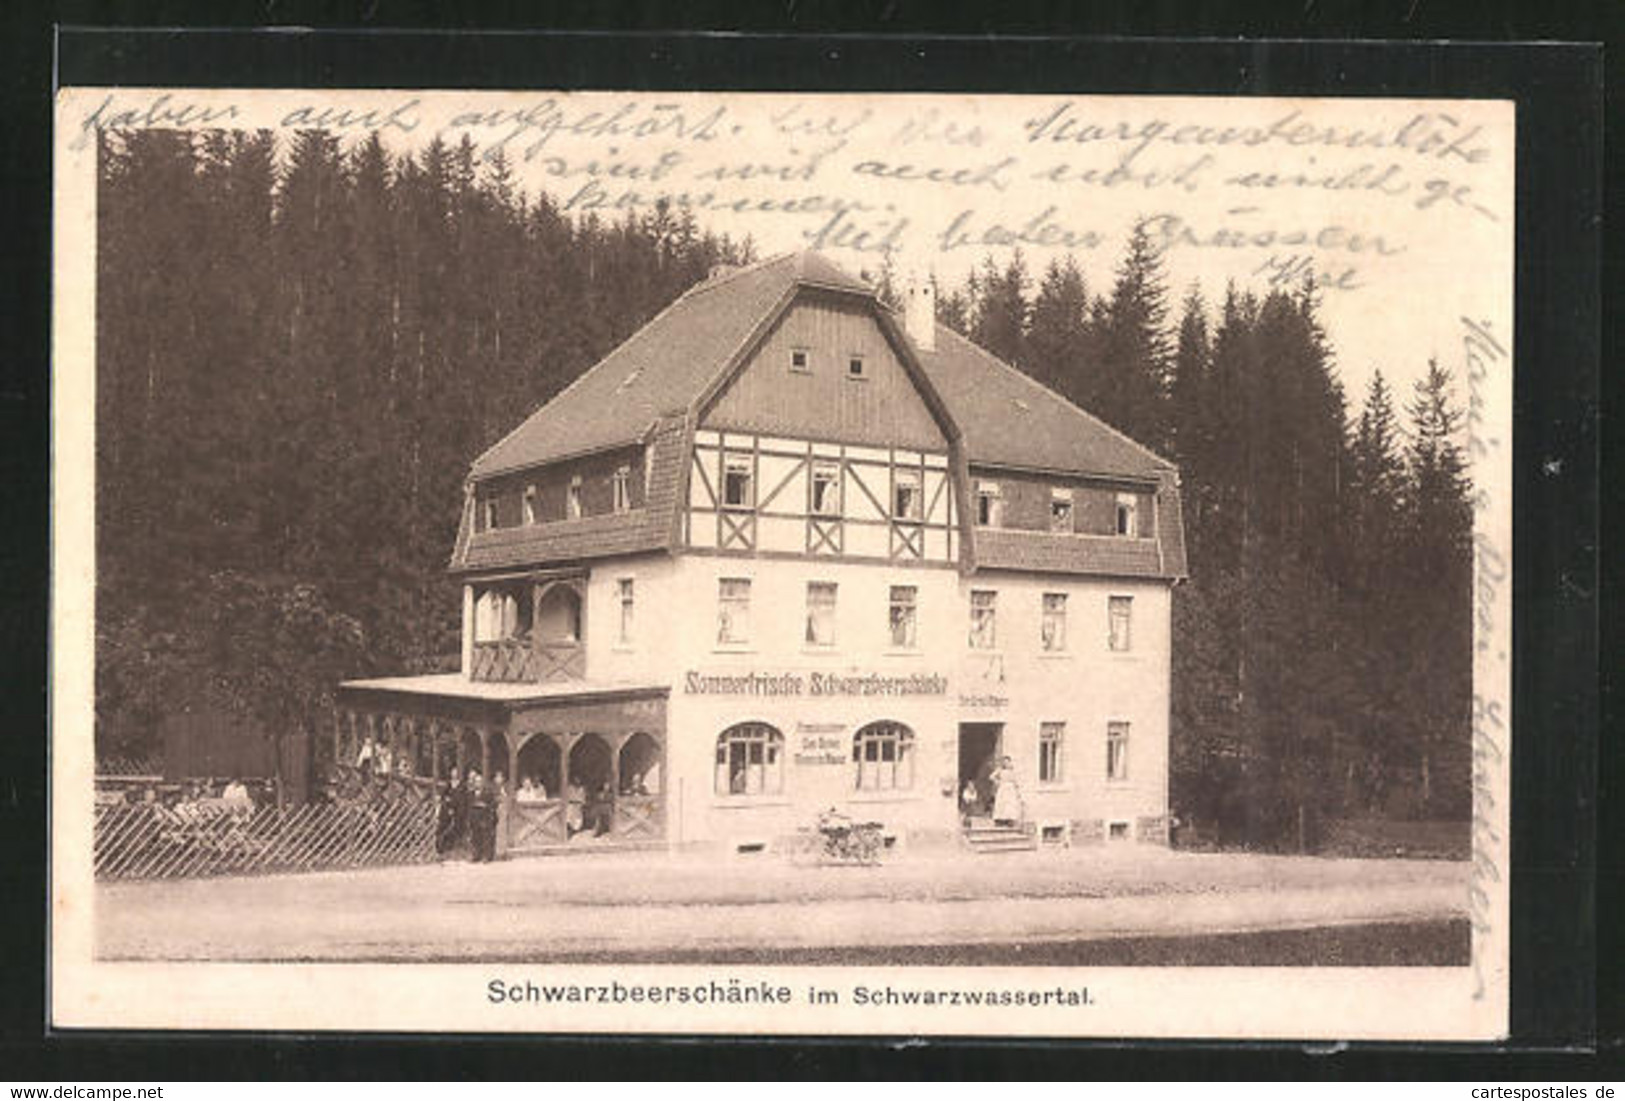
(826, 371)
(778, 495)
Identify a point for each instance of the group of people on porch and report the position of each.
(472, 811)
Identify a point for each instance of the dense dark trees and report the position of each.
(1322, 657)
(301, 347)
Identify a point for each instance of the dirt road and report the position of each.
(640, 905)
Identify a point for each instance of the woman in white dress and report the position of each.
(1008, 808)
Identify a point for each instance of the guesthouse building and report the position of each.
(787, 549)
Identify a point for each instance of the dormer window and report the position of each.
(737, 488)
(854, 367)
(1127, 515)
(573, 501)
(1060, 510)
(800, 361)
(623, 489)
(530, 505)
(989, 505)
(490, 513)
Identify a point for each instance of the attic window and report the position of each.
(530, 505)
(1060, 509)
(989, 504)
(800, 361)
(490, 513)
(1127, 521)
(906, 495)
(574, 500)
(736, 482)
(623, 489)
(854, 367)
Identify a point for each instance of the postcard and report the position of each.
(911, 564)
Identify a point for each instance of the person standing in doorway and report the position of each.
(1008, 806)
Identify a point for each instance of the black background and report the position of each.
(1565, 886)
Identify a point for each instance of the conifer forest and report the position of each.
(302, 345)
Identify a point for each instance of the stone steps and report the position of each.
(988, 838)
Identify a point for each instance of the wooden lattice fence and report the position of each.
(129, 766)
(151, 841)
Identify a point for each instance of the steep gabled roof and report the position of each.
(664, 366)
(1006, 418)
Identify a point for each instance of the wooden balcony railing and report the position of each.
(518, 660)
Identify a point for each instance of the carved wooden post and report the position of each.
(434, 751)
(485, 754)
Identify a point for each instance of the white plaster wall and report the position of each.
(1086, 687)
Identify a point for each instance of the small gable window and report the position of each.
(574, 499)
(737, 491)
(854, 367)
(906, 495)
(826, 489)
(800, 361)
(530, 505)
(490, 513)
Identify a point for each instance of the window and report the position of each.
(989, 505)
(1117, 831)
(1127, 522)
(800, 361)
(1052, 627)
(574, 499)
(623, 489)
(826, 489)
(1119, 610)
(983, 605)
(906, 494)
(736, 482)
(1060, 510)
(1117, 751)
(854, 367)
(820, 613)
(625, 588)
(750, 760)
(903, 600)
(1051, 736)
(530, 505)
(502, 613)
(883, 754)
(490, 513)
(733, 610)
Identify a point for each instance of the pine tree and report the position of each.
(1130, 387)
(1000, 323)
(1192, 417)
(953, 308)
(1436, 580)
(1058, 346)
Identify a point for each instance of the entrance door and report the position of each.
(978, 756)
